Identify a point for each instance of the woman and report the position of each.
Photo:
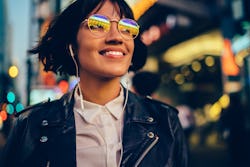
(99, 123)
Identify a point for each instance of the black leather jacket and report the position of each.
(44, 135)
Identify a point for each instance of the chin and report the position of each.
(118, 73)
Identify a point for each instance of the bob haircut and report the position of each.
(53, 48)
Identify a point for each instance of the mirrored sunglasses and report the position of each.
(99, 25)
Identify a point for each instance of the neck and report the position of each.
(100, 92)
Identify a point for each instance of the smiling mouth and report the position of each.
(112, 53)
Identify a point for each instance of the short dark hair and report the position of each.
(53, 49)
(145, 82)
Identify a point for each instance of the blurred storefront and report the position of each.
(203, 58)
(44, 85)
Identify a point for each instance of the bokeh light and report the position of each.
(209, 61)
(63, 86)
(3, 115)
(196, 66)
(11, 97)
(179, 79)
(19, 107)
(10, 109)
(13, 71)
(1, 123)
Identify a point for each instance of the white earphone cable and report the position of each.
(77, 75)
(79, 87)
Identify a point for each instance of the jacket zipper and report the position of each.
(120, 161)
(48, 164)
(146, 151)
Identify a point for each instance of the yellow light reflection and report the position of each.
(241, 55)
(140, 7)
(151, 64)
(13, 71)
(1, 123)
(196, 66)
(224, 101)
(209, 61)
(179, 79)
(215, 111)
(185, 71)
(210, 43)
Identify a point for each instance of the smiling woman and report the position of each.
(100, 122)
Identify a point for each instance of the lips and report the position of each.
(112, 53)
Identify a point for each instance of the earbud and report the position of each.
(74, 60)
(71, 50)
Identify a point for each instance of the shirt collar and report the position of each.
(91, 110)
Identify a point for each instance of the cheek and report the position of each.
(84, 48)
(84, 43)
(81, 40)
(132, 46)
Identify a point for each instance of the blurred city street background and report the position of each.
(199, 48)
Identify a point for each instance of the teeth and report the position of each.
(116, 53)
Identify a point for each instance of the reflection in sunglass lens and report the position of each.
(99, 25)
(128, 28)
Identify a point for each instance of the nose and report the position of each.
(114, 34)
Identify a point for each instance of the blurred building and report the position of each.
(43, 85)
(5, 54)
(4, 37)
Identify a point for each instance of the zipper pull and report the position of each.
(48, 164)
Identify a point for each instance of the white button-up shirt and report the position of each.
(98, 132)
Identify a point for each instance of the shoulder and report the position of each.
(166, 114)
(161, 105)
(33, 107)
(154, 105)
(39, 109)
(45, 106)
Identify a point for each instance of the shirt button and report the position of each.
(151, 135)
(44, 139)
(150, 119)
(45, 123)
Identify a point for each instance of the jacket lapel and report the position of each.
(143, 130)
(60, 131)
(137, 134)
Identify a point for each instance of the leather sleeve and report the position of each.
(179, 152)
(10, 155)
(181, 148)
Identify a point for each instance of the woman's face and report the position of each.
(108, 56)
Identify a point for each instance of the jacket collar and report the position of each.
(138, 116)
(133, 107)
(137, 110)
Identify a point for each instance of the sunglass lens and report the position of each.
(129, 28)
(98, 24)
